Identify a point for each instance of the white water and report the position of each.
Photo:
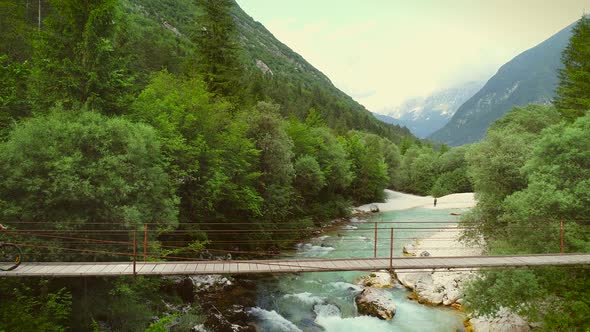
(324, 301)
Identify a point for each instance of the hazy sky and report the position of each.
(382, 52)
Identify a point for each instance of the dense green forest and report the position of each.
(530, 173)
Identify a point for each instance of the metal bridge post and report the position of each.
(145, 241)
(561, 236)
(134, 251)
(375, 249)
(391, 251)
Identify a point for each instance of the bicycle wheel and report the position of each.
(10, 256)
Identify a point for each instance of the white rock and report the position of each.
(376, 279)
(376, 302)
(199, 328)
(505, 321)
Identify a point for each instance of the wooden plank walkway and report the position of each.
(95, 269)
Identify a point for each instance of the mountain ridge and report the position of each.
(530, 77)
(277, 73)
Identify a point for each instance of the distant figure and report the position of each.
(435, 202)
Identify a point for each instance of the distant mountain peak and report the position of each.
(424, 115)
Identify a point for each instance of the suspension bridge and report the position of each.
(398, 264)
(135, 256)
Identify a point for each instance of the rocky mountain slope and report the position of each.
(531, 77)
(278, 73)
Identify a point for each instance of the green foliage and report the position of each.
(369, 168)
(16, 33)
(33, 308)
(76, 60)
(217, 58)
(209, 153)
(75, 168)
(558, 188)
(322, 197)
(13, 102)
(573, 92)
(509, 288)
(162, 325)
(530, 172)
(309, 178)
(495, 163)
(268, 132)
(116, 304)
(423, 170)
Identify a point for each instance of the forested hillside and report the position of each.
(275, 72)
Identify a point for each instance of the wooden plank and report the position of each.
(212, 267)
(108, 269)
(23, 268)
(200, 268)
(158, 268)
(364, 264)
(93, 270)
(283, 266)
(43, 269)
(356, 265)
(83, 269)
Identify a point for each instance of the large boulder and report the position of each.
(435, 287)
(375, 302)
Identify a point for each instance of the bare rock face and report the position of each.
(263, 67)
(504, 321)
(375, 302)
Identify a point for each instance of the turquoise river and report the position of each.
(324, 301)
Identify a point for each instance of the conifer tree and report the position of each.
(76, 60)
(217, 55)
(573, 92)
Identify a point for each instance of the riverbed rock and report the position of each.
(435, 287)
(375, 302)
(424, 254)
(199, 328)
(504, 321)
(210, 282)
(326, 310)
(376, 280)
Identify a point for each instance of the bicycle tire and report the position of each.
(10, 256)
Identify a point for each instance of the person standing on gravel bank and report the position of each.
(435, 202)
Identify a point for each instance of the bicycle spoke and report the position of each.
(10, 257)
